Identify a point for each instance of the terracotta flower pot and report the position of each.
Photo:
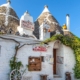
(48, 30)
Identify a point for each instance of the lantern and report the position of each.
(45, 30)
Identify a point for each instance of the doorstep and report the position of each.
(57, 77)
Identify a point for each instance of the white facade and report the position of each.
(68, 61)
(26, 24)
(8, 51)
(43, 31)
(65, 59)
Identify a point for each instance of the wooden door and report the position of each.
(54, 65)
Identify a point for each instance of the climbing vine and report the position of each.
(14, 64)
(74, 43)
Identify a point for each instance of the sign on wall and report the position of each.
(49, 59)
(60, 59)
(39, 48)
(27, 25)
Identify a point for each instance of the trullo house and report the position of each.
(40, 50)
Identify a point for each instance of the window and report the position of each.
(34, 64)
(0, 50)
(42, 58)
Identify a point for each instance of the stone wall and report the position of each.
(3, 9)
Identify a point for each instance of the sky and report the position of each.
(58, 8)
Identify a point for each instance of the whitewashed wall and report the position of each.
(6, 53)
(25, 29)
(27, 51)
(69, 61)
(60, 64)
(43, 35)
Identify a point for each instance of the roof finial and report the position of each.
(45, 6)
(27, 12)
(45, 9)
(8, 1)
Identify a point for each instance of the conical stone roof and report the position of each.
(46, 15)
(8, 19)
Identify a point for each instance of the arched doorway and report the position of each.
(54, 64)
(58, 58)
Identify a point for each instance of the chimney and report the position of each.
(68, 22)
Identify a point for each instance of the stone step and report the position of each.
(57, 77)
